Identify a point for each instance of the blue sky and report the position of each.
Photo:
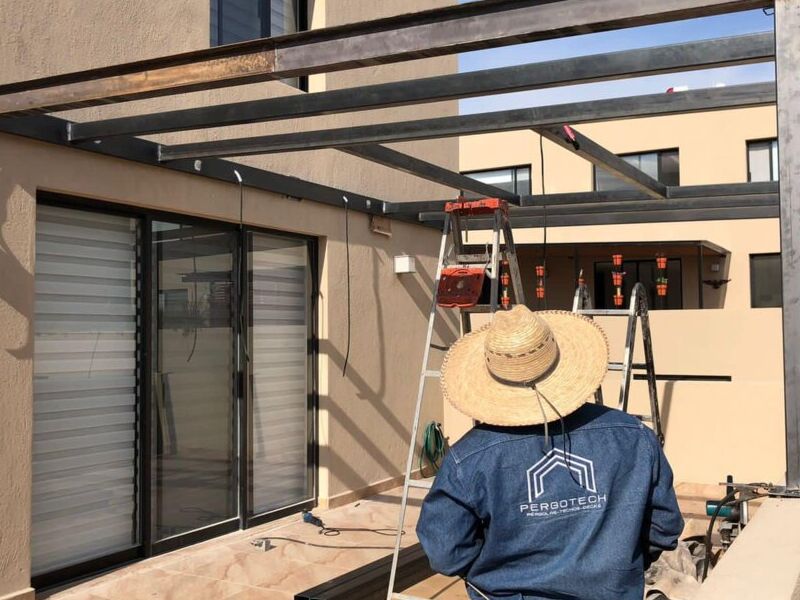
(626, 39)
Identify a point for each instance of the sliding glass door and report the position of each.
(173, 383)
(279, 400)
(193, 410)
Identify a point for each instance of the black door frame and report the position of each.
(147, 546)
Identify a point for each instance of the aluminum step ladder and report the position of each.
(452, 251)
(636, 311)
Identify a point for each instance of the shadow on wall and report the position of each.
(369, 336)
(715, 298)
(17, 288)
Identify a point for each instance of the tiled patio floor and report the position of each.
(230, 567)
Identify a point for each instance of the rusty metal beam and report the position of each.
(705, 54)
(758, 94)
(406, 37)
(576, 142)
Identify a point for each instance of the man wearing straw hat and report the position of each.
(550, 497)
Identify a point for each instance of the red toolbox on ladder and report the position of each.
(460, 287)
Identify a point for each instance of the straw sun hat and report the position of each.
(495, 373)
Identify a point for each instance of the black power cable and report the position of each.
(707, 558)
(544, 216)
(347, 253)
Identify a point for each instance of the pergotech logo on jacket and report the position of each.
(542, 486)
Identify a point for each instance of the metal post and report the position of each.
(787, 57)
(700, 303)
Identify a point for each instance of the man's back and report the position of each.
(573, 516)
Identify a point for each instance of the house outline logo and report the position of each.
(582, 467)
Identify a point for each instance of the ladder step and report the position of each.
(478, 308)
(423, 484)
(397, 596)
(617, 366)
(605, 312)
(469, 259)
(433, 373)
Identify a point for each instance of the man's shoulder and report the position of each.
(596, 415)
(482, 438)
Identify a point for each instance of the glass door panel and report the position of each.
(193, 402)
(279, 372)
(85, 386)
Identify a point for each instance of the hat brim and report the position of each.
(579, 370)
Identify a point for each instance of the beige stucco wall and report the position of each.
(712, 147)
(364, 417)
(709, 425)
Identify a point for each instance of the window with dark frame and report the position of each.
(644, 272)
(766, 284)
(662, 165)
(762, 160)
(516, 180)
(235, 21)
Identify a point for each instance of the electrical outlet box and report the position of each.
(404, 264)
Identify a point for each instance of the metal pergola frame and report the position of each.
(447, 31)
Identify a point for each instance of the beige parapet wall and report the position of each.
(764, 561)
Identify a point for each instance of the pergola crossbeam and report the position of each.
(429, 33)
(705, 54)
(625, 218)
(756, 94)
(426, 170)
(583, 146)
(607, 198)
(743, 201)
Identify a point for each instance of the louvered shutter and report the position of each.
(279, 368)
(85, 387)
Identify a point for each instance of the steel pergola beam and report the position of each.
(50, 129)
(436, 32)
(766, 188)
(655, 216)
(787, 57)
(739, 201)
(705, 54)
(625, 218)
(574, 141)
(420, 168)
(757, 94)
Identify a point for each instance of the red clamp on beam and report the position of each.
(476, 207)
(571, 137)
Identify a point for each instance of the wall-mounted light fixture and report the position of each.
(404, 264)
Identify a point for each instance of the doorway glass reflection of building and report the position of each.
(193, 410)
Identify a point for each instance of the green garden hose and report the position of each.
(433, 446)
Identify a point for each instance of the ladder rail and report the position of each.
(581, 304)
(418, 409)
(513, 265)
(652, 389)
(627, 357)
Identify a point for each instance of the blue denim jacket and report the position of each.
(575, 517)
